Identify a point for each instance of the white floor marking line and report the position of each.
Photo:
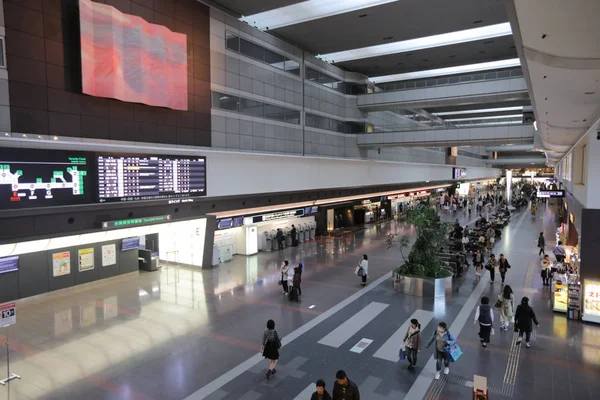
(350, 327)
(306, 393)
(313, 306)
(421, 384)
(389, 350)
(252, 361)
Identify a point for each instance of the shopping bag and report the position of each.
(454, 351)
(357, 270)
(402, 354)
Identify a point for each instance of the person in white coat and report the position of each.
(364, 264)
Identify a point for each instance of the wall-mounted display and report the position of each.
(137, 177)
(40, 178)
(109, 255)
(278, 215)
(86, 259)
(127, 58)
(130, 243)
(9, 264)
(61, 263)
(550, 193)
(458, 173)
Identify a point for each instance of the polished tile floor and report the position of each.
(179, 333)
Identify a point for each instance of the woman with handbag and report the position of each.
(284, 271)
(442, 338)
(270, 347)
(364, 265)
(412, 342)
(506, 304)
(478, 261)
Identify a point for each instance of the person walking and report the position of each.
(412, 341)
(294, 234)
(546, 270)
(279, 237)
(442, 338)
(321, 393)
(344, 388)
(284, 272)
(524, 315)
(491, 266)
(478, 261)
(299, 269)
(506, 299)
(491, 237)
(503, 267)
(270, 347)
(559, 252)
(485, 316)
(295, 288)
(541, 244)
(364, 264)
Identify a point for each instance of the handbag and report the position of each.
(488, 267)
(357, 270)
(402, 353)
(498, 304)
(277, 341)
(453, 351)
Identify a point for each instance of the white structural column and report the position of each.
(508, 186)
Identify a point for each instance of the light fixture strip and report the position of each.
(307, 11)
(479, 111)
(461, 69)
(484, 118)
(428, 42)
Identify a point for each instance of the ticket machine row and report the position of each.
(305, 232)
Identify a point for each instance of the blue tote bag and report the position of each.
(454, 351)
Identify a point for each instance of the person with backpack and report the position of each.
(559, 252)
(524, 315)
(485, 317)
(364, 266)
(442, 338)
(503, 267)
(506, 303)
(321, 393)
(412, 342)
(270, 347)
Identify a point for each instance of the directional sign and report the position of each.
(8, 314)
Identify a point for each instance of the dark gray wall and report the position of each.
(35, 274)
(590, 237)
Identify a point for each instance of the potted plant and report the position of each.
(422, 272)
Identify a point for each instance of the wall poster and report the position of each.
(61, 263)
(109, 255)
(86, 259)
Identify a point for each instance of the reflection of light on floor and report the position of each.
(439, 306)
(590, 344)
(313, 306)
(559, 325)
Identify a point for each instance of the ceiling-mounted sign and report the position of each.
(550, 193)
(278, 215)
(440, 190)
(458, 173)
(129, 223)
(397, 196)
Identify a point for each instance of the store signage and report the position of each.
(397, 196)
(128, 223)
(9, 264)
(278, 215)
(458, 173)
(551, 193)
(364, 202)
(591, 298)
(440, 190)
(422, 193)
(8, 314)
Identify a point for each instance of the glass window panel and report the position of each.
(466, 78)
(516, 72)
(312, 75)
(420, 84)
(410, 85)
(478, 77)
(310, 120)
(442, 81)
(431, 82)
(225, 101)
(252, 107)
(490, 75)
(232, 41)
(292, 116)
(400, 86)
(454, 79)
(274, 59)
(252, 50)
(292, 67)
(274, 112)
(325, 79)
(503, 74)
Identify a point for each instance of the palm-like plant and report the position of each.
(423, 260)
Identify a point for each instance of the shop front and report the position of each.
(372, 210)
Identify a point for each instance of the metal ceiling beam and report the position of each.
(521, 147)
(519, 161)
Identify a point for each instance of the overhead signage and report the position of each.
(422, 193)
(227, 223)
(364, 202)
(458, 173)
(311, 210)
(551, 193)
(8, 314)
(397, 196)
(278, 215)
(439, 190)
(129, 223)
(9, 264)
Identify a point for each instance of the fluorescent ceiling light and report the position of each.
(482, 118)
(488, 124)
(307, 11)
(461, 69)
(480, 111)
(446, 39)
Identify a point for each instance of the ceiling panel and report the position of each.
(250, 7)
(401, 20)
(440, 57)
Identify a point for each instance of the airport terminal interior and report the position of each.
(299, 199)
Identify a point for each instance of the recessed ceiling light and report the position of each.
(588, 93)
(55, 138)
(478, 21)
(387, 38)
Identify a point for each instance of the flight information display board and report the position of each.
(137, 177)
(32, 178)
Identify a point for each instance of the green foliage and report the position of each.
(423, 260)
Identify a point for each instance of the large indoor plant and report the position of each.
(423, 260)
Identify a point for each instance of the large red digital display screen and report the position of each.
(126, 58)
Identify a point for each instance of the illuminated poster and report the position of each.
(109, 255)
(126, 58)
(591, 298)
(61, 263)
(86, 259)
